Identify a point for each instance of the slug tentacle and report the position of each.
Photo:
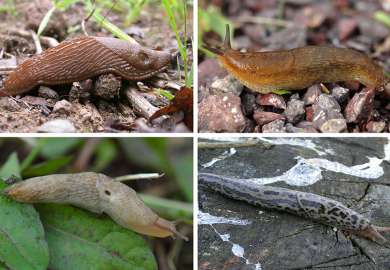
(82, 58)
(315, 207)
(97, 193)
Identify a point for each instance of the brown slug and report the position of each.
(298, 68)
(97, 193)
(84, 57)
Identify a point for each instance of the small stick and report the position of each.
(245, 143)
(139, 176)
(140, 104)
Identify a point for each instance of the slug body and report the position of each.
(299, 68)
(308, 205)
(82, 58)
(97, 193)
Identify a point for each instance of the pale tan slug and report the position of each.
(97, 193)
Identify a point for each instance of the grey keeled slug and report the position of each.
(298, 68)
(308, 205)
(84, 57)
(97, 193)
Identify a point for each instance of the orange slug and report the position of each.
(82, 58)
(298, 68)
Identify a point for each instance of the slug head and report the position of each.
(231, 59)
(123, 205)
(143, 62)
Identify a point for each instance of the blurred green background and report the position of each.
(169, 196)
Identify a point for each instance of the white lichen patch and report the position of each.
(223, 156)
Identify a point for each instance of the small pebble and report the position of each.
(228, 84)
(360, 107)
(340, 94)
(271, 99)
(311, 94)
(263, 118)
(276, 126)
(57, 126)
(221, 113)
(376, 127)
(295, 111)
(47, 92)
(62, 106)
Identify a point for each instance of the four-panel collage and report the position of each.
(109, 114)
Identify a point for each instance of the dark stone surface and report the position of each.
(279, 240)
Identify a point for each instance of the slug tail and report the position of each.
(170, 226)
(373, 233)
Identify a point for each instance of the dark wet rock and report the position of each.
(295, 111)
(228, 84)
(221, 113)
(107, 86)
(376, 126)
(341, 94)
(360, 107)
(263, 118)
(248, 101)
(276, 126)
(46, 92)
(311, 94)
(280, 241)
(271, 99)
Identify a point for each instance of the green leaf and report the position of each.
(382, 17)
(281, 92)
(11, 167)
(47, 167)
(45, 20)
(169, 208)
(183, 174)
(65, 4)
(167, 94)
(147, 152)
(106, 152)
(55, 147)
(81, 240)
(22, 240)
